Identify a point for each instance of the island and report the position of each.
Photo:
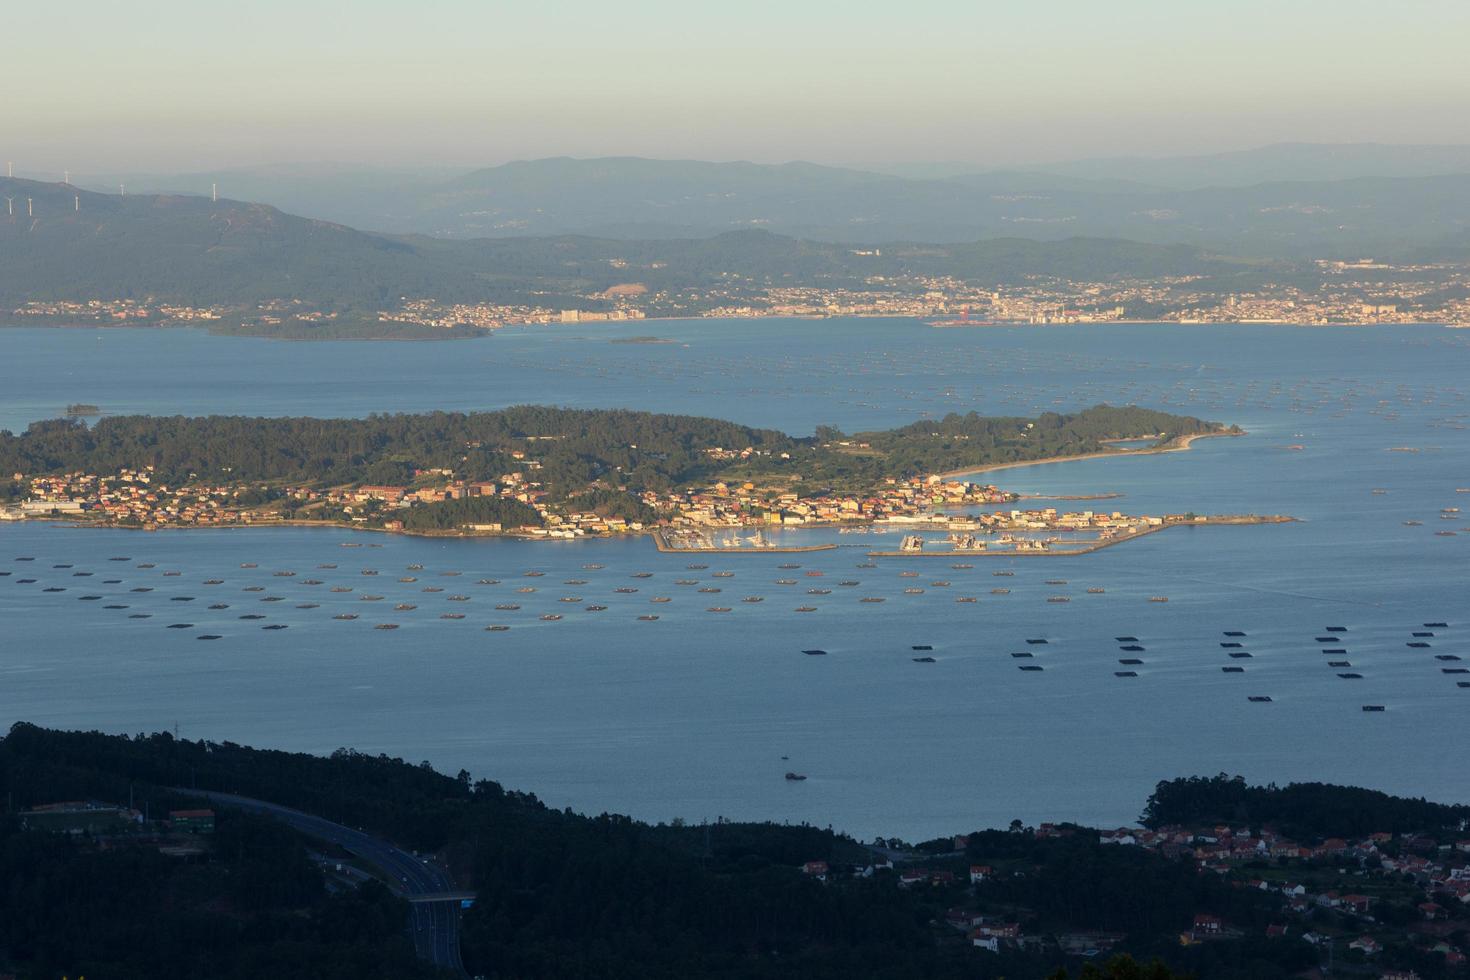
(552, 472)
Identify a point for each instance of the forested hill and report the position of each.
(573, 447)
(62, 243)
(562, 895)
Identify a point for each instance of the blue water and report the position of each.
(690, 715)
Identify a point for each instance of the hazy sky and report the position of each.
(180, 85)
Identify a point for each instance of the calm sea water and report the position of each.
(699, 714)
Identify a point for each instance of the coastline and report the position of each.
(1178, 444)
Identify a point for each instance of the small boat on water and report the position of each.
(788, 565)
(1037, 641)
(311, 581)
(415, 567)
(141, 616)
(1235, 633)
(779, 581)
(340, 588)
(1125, 673)
(1241, 655)
(246, 564)
(1130, 661)
(207, 636)
(141, 588)
(435, 588)
(851, 582)
(220, 605)
(253, 616)
(965, 598)
(329, 564)
(404, 607)
(922, 646)
(181, 598)
(1413, 523)
(1339, 663)
(641, 575)
(284, 574)
(795, 777)
(1454, 670)
(1158, 598)
(487, 581)
(116, 558)
(1023, 655)
(274, 598)
(1351, 677)
(88, 598)
(1004, 574)
(596, 609)
(146, 564)
(1436, 626)
(409, 578)
(165, 574)
(532, 574)
(54, 588)
(1000, 591)
(592, 567)
(1418, 644)
(114, 606)
(961, 565)
(696, 568)
(815, 653)
(180, 626)
(450, 574)
(1437, 656)
(695, 581)
(1058, 598)
(730, 574)
(1030, 667)
(1056, 581)
(508, 606)
(575, 581)
(369, 598)
(718, 609)
(1373, 707)
(906, 591)
(1232, 670)
(465, 598)
(923, 660)
(1336, 629)
(1421, 633)
(805, 609)
(816, 574)
(369, 571)
(941, 584)
(749, 598)
(455, 616)
(867, 564)
(261, 588)
(647, 619)
(1260, 698)
(1096, 590)
(570, 598)
(871, 598)
(1231, 645)
(276, 626)
(625, 590)
(1334, 651)
(386, 626)
(496, 629)
(306, 605)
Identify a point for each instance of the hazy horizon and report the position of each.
(461, 85)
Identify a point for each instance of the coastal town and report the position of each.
(1335, 292)
(720, 517)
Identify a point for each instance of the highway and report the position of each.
(435, 924)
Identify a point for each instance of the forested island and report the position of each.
(536, 467)
(141, 887)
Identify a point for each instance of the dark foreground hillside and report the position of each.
(107, 892)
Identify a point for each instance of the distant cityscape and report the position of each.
(1361, 292)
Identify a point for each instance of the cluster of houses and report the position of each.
(132, 497)
(1441, 870)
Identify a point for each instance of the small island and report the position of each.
(537, 472)
(78, 409)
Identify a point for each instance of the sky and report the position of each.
(187, 85)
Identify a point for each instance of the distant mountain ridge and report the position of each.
(1290, 200)
(78, 245)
